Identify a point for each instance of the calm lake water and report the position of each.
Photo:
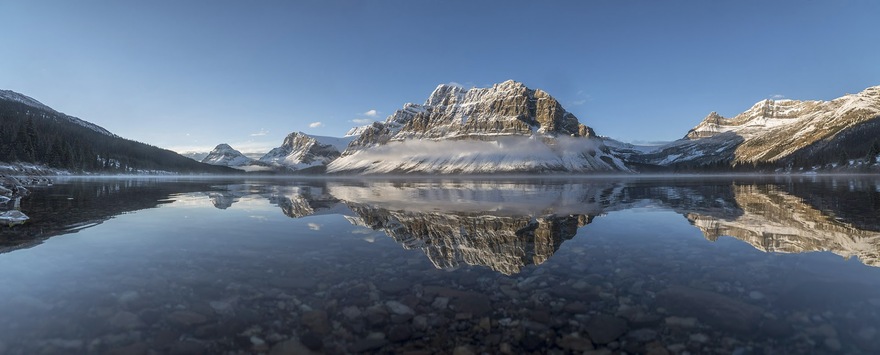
(635, 265)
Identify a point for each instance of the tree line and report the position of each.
(33, 135)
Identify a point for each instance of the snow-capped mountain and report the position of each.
(780, 132)
(505, 128)
(10, 95)
(302, 151)
(225, 155)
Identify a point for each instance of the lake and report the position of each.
(678, 265)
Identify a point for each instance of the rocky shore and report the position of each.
(12, 190)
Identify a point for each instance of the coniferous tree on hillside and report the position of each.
(33, 135)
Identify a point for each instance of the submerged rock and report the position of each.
(13, 217)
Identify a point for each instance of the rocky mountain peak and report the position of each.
(713, 117)
(445, 94)
(490, 129)
(296, 139)
(300, 151)
(508, 108)
(224, 154)
(223, 147)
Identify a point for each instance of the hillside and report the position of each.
(34, 133)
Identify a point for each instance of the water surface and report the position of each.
(711, 265)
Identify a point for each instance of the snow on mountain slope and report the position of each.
(503, 154)
(340, 143)
(300, 151)
(27, 100)
(225, 155)
(356, 131)
(10, 95)
(771, 130)
(505, 128)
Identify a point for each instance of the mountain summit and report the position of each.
(223, 154)
(506, 128)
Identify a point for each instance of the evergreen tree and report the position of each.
(873, 152)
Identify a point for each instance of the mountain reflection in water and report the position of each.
(632, 265)
(506, 226)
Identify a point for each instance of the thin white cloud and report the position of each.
(262, 132)
(371, 113)
(316, 124)
(362, 120)
(452, 83)
(777, 96)
(581, 98)
(314, 226)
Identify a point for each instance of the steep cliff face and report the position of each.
(777, 131)
(302, 151)
(505, 128)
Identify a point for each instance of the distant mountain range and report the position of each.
(507, 128)
(782, 133)
(510, 128)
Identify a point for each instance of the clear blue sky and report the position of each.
(191, 74)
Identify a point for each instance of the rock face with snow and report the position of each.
(780, 132)
(302, 151)
(505, 128)
(225, 155)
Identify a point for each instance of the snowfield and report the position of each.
(503, 154)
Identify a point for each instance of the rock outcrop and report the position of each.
(11, 192)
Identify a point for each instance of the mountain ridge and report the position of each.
(33, 133)
(778, 133)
